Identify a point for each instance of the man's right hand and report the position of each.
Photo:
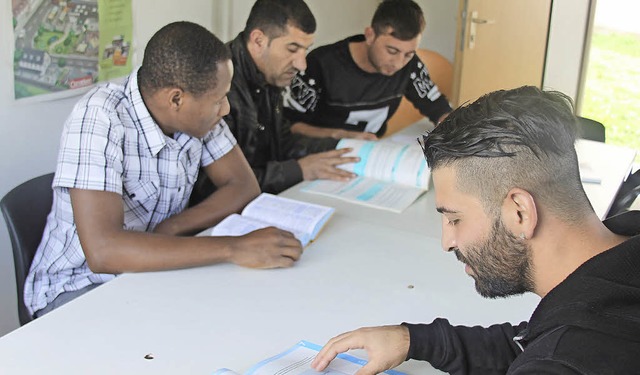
(265, 248)
(323, 165)
(386, 347)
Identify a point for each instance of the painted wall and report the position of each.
(29, 144)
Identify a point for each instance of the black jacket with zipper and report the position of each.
(264, 135)
(588, 324)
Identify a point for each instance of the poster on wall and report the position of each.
(63, 47)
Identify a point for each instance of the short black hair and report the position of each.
(273, 16)
(403, 17)
(182, 54)
(520, 138)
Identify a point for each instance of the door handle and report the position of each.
(481, 21)
(472, 29)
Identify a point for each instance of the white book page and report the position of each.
(289, 214)
(388, 161)
(236, 225)
(589, 175)
(297, 361)
(367, 191)
(224, 371)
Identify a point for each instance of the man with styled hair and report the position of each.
(129, 156)
(351, 88)
(507, 183)
(266, 56)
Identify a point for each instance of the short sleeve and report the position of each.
(91, 153)
(217, 143)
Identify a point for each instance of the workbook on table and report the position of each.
(297, 361)
(304, 220)
(391, 175)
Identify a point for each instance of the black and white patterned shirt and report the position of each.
(111, 143)
(334, 92)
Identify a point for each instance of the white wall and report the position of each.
(30, 131)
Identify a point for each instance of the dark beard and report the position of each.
(501, 264)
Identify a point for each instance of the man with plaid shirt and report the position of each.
(128, 160)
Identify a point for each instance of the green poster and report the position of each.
(116, 33)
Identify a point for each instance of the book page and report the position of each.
(367, 191)
(297, 361)
(224, 371)
(588, 175)
(236, 225)
(289, 214)
(388, 161)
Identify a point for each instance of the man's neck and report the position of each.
(559, 249)
(358, 51)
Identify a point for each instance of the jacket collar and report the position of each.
(246, 67)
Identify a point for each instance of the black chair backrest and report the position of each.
(25, 210)
(628, 193)
(591, 129)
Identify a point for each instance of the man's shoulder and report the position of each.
(336, 48)
(107, 97)
(582, 350)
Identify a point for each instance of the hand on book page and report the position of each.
(391, 175)
(297, 361)
(304, 220)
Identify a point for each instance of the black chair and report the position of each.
(591, 129)
(629, 191)
(25, 210)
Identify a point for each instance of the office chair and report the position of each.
(25, 210)
(629, 191)
(441, 73)
(591, 129)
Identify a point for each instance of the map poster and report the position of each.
(60, 47)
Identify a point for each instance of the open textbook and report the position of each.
(304, 220)
(391, 175)
(297, 361)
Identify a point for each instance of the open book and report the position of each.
(391, 175)
(304, 220)
(297, 361)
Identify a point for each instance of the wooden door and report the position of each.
(500, 44)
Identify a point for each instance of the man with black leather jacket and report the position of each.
(266, 56)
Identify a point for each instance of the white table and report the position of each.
(194, 321)
(368, 267)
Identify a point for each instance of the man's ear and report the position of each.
(369, 35)
(519, 213)
(175, 97)
(257, 41)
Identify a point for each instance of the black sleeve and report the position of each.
(278, 176)
(303, 99)
(297, 146)
(545, 366)
(424, 94)
(273, 176)
(464, 350)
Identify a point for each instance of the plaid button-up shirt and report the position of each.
(111, 143)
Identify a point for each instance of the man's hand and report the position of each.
(342, 133)
(323, 165)
(320, 132)
(266, 248)
(386, 347)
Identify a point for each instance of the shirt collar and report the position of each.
(154, 138)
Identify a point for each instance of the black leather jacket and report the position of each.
(256, 120)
